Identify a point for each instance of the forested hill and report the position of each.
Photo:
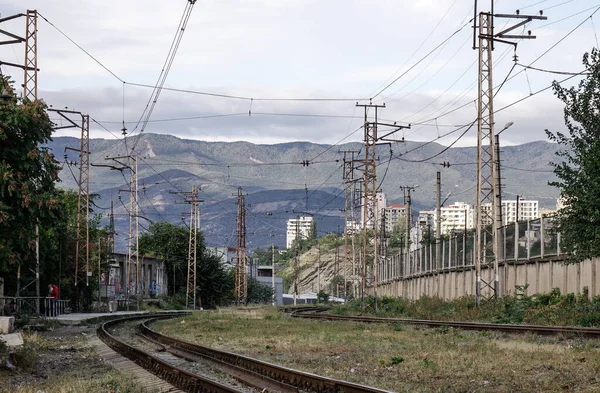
(279, 185)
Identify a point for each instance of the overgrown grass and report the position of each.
(542, 309)
(110, 382)
(61, 364)
(397, 357)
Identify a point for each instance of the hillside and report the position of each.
(279, 187)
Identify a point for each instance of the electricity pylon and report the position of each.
(487, 221)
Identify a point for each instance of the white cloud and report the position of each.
(290, 48)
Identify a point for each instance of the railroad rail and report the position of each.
(509, 328)
(256, 373)
(300, 380)
(174, 375)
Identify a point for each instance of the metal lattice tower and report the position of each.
(31, 70)
(29, 66)
(488, 205)
(485, 250)
(190, 301)
(134, 228)
(369, 197)
(241, 282)
(82, 249)
(350, 263)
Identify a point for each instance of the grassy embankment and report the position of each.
(542, 309)
(399, 357)
(66, 364)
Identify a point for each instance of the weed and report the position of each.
(428, 363)
(397, 359)
(24, 357)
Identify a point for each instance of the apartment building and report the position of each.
(393, 213)
(298, 227)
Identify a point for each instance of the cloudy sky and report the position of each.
(295, 49)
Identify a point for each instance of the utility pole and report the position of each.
(348, 207)
(190, 300)
(498, 219)
(30, 71)
(438, 222)
(241, 283)
(296, 252)
(76, 119)
(407, 203)
(130, 162)
(371, 140)
(273, 273)
(486, 225)
(30, 40)
(370, 191)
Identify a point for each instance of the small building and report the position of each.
(264, 275)
(151, 277)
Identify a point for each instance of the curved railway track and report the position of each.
(316, 313)
(253, 372)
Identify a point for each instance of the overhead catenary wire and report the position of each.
(164, 73)
(420, 60)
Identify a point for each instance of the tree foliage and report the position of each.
(28, 176)
(398, 236)
(579, 166)
(171, 243)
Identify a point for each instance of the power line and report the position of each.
(420, 46)
(421, 60)
(164, 73)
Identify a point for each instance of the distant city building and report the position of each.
(378, 207)
(392, 214)
(527, 210)
(352, 227)
(298, 227)
(426, 219)
(456, 216)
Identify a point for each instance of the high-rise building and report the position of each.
(393, 213)
(456, 216)
(378, 206)
(298, 226)
(527, 210)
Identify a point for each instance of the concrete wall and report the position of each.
(540, 276)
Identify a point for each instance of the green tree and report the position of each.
(259, 293)
(579, 166)
(398, 236)
(171, 243)
(28, 176)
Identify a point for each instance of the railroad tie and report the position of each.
(126, 366)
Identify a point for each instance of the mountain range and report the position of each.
(282, 181)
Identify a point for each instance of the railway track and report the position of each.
(257, 375)
(316, 313)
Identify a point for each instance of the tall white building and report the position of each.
(527, 210)
(393, 213)
(379, 207)
(298, 226)
(456, 216)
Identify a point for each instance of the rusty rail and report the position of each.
(174, 375)
(512, 328)
(299, 379)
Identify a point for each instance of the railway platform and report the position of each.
(81, 318)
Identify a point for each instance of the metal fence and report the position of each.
(518, 242)
(28, 306)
